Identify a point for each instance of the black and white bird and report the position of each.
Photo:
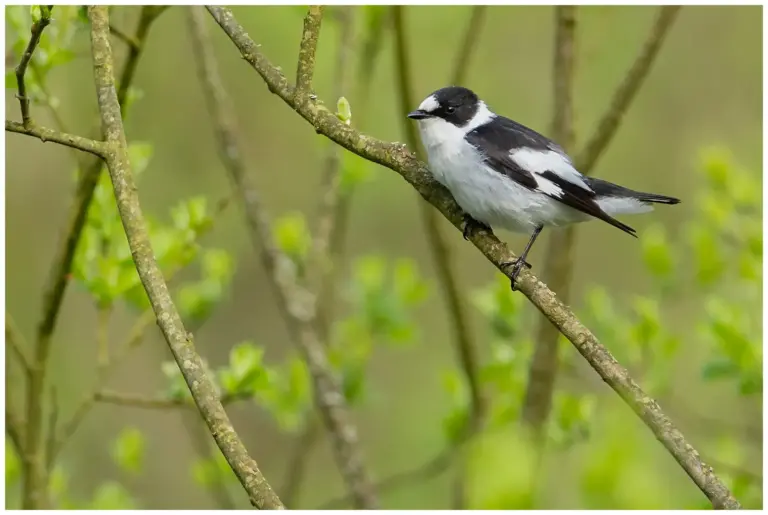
(506, 175)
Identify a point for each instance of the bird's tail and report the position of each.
(618, 200)
(655, 198)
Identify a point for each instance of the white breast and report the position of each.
(486, 195)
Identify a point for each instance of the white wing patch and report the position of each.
(538, 162)
(429, 104)
(548, 187)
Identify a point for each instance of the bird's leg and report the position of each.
(471, 224)
(518, 263)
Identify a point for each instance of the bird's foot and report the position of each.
(517, 266)
(470, 224)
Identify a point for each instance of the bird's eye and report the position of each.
(450, 109)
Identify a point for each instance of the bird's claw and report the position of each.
(517, 266)
(471, 224)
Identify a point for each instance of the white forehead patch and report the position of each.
(430, 104)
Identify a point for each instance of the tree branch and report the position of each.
(37, 31)
(293, 299)
(125, 38)
(306, 64)
(440, 250)
(168, 319)
(55, 287)
(468, 43)
(558, 265)
(543, 367)
(15, 340)
(294, 475)
(398, 158)
(43, 134)
(14, 427)
(627, 90)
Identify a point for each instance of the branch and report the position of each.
(21, 69)
(440, 250)
(15, 340)
(543, 367)
(306, 65)
(125, 38)
(467, 46)
(168, 319)
(294, 474)
(77, 142)
(427, 470)
(558, 266)
(627, 90)
(396, 157)
(161, 403)
(293, 299)
(14, 427)
(55, 287)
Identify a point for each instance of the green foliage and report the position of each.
(292, 237)
(344, 110)
(53, 49)
(495, 480)
(197, 299)
(382, 299)
(354, 171)
(128, 450)
(207, 472)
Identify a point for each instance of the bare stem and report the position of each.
(78, 142)
(34, 473)
(558, 265)
(37, 31)
(296, 302)
(160, 403)
(402, 161)
(306, 64)
(543, 367)
(15, 340)
(294, 476)
(179, 340)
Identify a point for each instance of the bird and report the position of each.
(504, 174)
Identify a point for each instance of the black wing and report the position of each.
(498, 138)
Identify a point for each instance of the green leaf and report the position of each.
(177, 387)
(354, 171)
(292, 236)
(246, 372)
(657, 252)
(140, 154)
(344, 110)
(128, 450)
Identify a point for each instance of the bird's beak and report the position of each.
(418, 114)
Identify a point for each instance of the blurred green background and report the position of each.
(703, 91)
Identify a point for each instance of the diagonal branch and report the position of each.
(14, 427)
(294, 300)
(37, 31)
(56, 284)
(396, 157)
(627, 90)
(179, 340)
(15, 340)
(558, 266)
(543, 367)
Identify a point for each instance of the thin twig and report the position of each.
(14, 427)
(440, 251)
(15, 340)
(294, 300)
(294, 475)
(37, 31)
(468, 44)
(322, 272)
(417, 475)
(125, 38)
(558, 265)
(543, 367)
(161, 403)
(43, 134)
(627, 90)
(179, 341)
(305, 69)
(53, 294)
(399, 159)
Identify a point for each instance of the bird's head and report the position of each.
(455, 105)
